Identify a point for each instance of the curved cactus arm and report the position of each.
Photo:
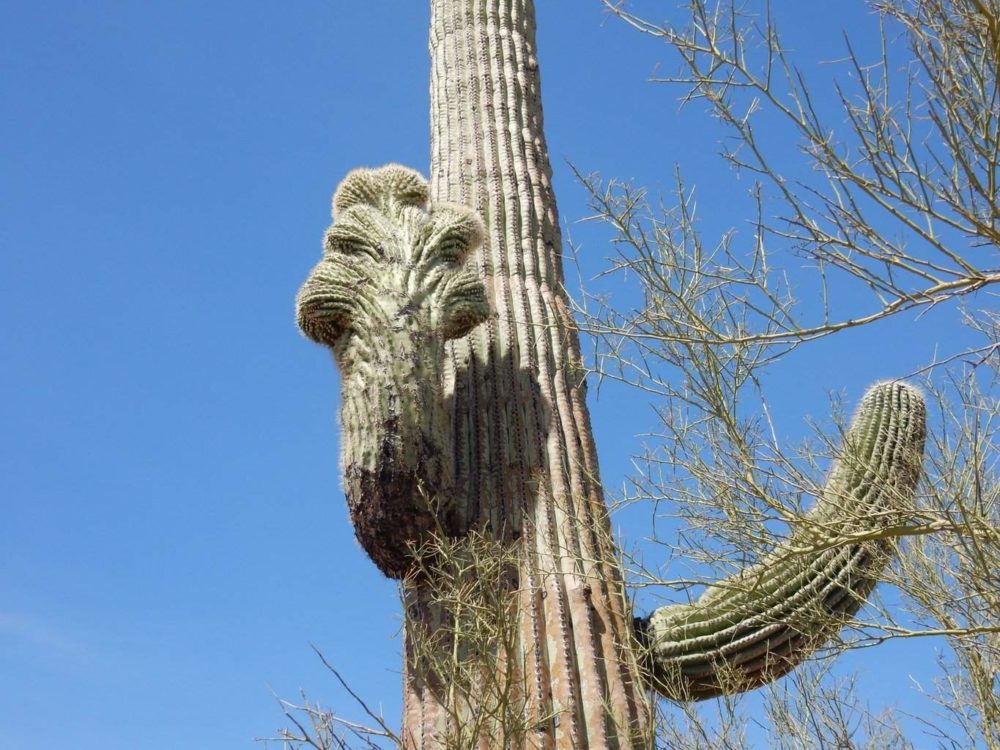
(757, 625)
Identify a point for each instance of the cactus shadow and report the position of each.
(500, 424)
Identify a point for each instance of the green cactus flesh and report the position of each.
(751, 628)
(390, 289)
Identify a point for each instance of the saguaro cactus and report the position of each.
(493, 427)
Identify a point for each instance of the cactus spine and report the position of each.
(494, 425)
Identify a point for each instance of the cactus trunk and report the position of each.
(523, 449)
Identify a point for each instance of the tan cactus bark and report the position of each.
(522, 442)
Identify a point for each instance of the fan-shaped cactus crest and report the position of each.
(390, 290)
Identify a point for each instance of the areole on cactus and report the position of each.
(459, 414)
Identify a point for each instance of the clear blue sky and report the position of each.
(173, 533)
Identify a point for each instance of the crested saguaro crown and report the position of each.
(391, 288)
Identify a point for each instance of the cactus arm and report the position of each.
(757, 625)
(391, 289)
